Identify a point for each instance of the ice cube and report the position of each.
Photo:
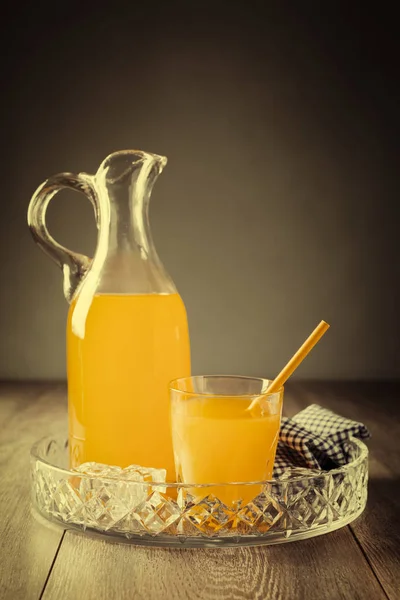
(130, 473)
(137, 473)
(98, 469)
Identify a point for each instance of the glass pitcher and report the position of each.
(127, 332)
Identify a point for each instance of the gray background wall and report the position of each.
(278, 206)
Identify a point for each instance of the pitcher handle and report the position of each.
(74, 265)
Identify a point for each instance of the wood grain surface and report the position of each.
(356, 562)
(325, 567)
(378, 529)
(27, 549)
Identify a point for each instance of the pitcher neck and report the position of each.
(125, 181)
(128, 227)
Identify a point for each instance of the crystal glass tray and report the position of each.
(301, 505)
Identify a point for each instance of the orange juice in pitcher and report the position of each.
(127, 332)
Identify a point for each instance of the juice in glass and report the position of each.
(118, 377)
(217, 440)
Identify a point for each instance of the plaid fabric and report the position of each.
(315, 438)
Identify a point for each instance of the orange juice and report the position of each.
(118, 377)
(216, 440)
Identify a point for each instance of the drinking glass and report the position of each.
(217, 438)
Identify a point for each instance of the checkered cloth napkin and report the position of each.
(315, 438)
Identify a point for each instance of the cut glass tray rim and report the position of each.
(35, 454)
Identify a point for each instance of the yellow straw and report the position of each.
(294, 362)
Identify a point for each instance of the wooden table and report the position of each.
(360, 561)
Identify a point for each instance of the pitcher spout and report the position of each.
(119, 167)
